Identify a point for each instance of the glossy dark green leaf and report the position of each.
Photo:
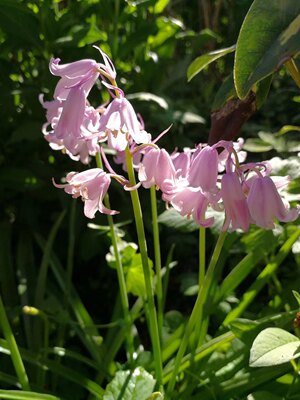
(269, 36)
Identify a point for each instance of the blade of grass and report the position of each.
(85, 321)
(42, 277)
(68, 373)
(262, 278)
(237, 275)
(200, 353)
(13, 348)
(17, 395)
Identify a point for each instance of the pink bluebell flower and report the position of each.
(266, 205)
(120, 125)
(82, 73)
(182, 162)
(235, 203)
(203, 171)
(156, 168)
(91, 185)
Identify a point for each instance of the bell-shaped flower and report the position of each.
(182, 161)
(156, 168)
(72, 115)
(92, 186)
(72, 130)
(235, 203)
(120, 124)
(204, 169)
(265, 203)
(188, 201)
(82, 73)
(229, 149)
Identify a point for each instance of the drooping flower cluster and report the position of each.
(193, 181)
(75, 126)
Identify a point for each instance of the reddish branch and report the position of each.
(227, 122)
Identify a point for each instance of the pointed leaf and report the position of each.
(201, 62)
(270, 35)
(274, 346)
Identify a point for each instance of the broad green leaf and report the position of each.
(132, 265)
(201, 62)
(135, 281)
(269, 36)
(274, 346)
(127, 385)
(173, 219)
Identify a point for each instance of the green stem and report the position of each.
(202, 260)
(13, 347)
(157, 258)
(197, 310)
(153, 326)
(293, 70)
(120, 273)
(167, 275)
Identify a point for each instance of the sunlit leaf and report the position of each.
(201, 62)
(127, 385)
(274, 346)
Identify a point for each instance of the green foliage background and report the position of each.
(152, 43)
